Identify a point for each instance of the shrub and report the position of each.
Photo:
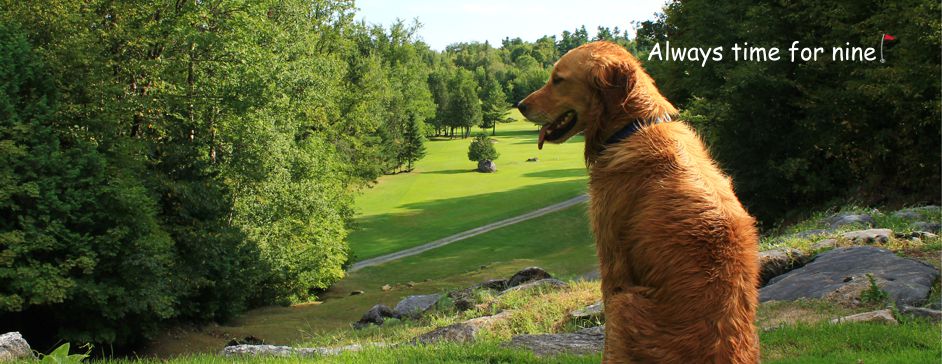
(482, 149)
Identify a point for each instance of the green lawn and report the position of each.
(560, 242)
(444, 195)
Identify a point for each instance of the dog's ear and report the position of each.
(613, 80)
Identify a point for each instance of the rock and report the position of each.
(13, 347)
(934, 315)
(258, 350)
(386, 288)
(493, 284)
(779, 261)
(248, 340)
(842, 274)
(916, 235)
(548, 282)
(881, 316)
(592, 276)
(534, 159)
(586, 341)
(931, 227)
(527, 275)
(907, 214)
(840, 220)
(824, 244)
(593, 312)
(486, 166)
(355, 293)
(415, 306)
(376, 315)
(915, 213)
(810, 233)
(464, 299)
(287, 351)
(869, 236)
(460, 332)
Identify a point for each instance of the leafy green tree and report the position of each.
(799, 134)
(482, 149)
(80, 243)
(464, 107)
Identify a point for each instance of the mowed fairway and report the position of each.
(444, 195)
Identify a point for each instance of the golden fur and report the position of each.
(677, 251)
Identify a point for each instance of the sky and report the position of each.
(445, 22)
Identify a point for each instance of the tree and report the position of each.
(414, 148)
(482, 149)
(464, 107)
(494, 106)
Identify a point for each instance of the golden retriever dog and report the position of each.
(677, 251)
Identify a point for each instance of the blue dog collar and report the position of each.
(630, 129)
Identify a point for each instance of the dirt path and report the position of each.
(466, 234)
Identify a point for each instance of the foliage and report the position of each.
(873, 293)
(61, 356)
(798, 134)
(482, 149)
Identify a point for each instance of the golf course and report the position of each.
(442, 196)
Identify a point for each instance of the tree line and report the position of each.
(186, 160)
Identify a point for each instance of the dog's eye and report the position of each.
(557, 80)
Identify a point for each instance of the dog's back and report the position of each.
(678, 252)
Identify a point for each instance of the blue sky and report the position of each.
(445, 22)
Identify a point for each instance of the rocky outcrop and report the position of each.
(841, 274)
(376, 316)
(415, 306)
(922, 312)
(13, 347)
(776, 262)
(543, 283)
(881, 316)
(841, 220)
(585, 341)
(527, 275)
(287, 351)
(465, 331)
(869, 236)
(593, 312)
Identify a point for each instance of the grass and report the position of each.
(445, 196)
(560, 242)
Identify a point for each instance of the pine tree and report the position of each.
(414, 148)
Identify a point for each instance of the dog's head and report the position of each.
(591, 86)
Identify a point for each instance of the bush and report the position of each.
(482, 149)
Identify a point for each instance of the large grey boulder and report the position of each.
(486, 166)
(841, 274)
(916, 213)
(934, 315)
(415, 306)
(779, 261)
(585, 341)
(14, 347)
(376, 316)
(527, 275)
(840, 220)
(543, 283)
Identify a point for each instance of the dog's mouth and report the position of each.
(557, 129)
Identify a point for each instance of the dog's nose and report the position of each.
(521, 106)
